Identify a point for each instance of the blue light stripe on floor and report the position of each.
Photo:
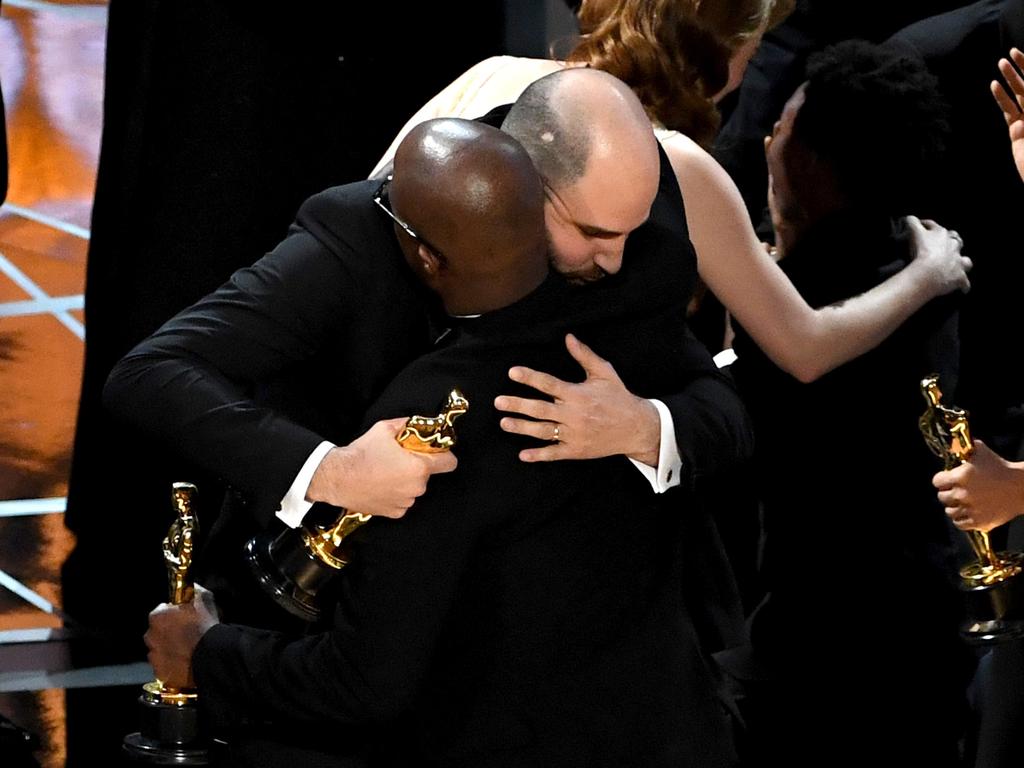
(42, 306)
(42, 218)
(88, 11)
(24, 507)
(26, 594)
(26, 284)
(22, 280)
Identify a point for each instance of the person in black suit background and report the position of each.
(219, 120)
(981, 189)
(982, 192)
(525, 613)
(985, 493)
(861, 619)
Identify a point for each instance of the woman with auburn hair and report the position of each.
(680, 58)
(680, 51)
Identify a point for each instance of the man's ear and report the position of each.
(429, 261)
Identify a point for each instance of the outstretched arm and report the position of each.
(984, 492)
(1010, 103)
(804, 341)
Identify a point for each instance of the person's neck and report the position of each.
(493, 294)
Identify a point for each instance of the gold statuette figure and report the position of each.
(170, 733)
(293, 567)
(178, 544)
(993, 580)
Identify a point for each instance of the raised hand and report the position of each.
(1010, 102)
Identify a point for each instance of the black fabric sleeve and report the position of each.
(191, 383)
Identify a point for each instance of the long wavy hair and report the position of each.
(673, 53)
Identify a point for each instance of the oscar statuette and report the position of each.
(993, 585)
(170, 733)
(293, 567)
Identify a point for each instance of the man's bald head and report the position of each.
(592, 143)
(472, 196)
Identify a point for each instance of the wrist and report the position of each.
(1018, 483)
(329, 476)
(925, 282)
(646, 428)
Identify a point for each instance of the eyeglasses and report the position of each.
(383, 202)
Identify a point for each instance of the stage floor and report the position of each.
(74, 703)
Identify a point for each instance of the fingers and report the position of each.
(1013, 77)
(1007, 105)
(1010, 102)
(542, 382)
(542, 430)
(440, 463)
(943, 480)
(964, 283)
(535, 409)
(961, 518)
(553, 452)
(953, 497)
(592, 364)
(392, 426)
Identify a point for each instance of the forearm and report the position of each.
(840, 332)
(208, 419)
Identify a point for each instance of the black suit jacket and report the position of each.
(527, 614)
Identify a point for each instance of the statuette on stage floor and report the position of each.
(993, 585)
(293, 567)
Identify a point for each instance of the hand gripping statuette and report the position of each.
(293, 567)
(993, 584)
(170, 732)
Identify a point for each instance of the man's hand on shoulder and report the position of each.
(596, 418)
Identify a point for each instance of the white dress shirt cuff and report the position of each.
(294, 505)
(670, 463)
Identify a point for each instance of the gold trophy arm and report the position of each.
(434, 434)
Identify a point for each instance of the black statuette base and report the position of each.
(289, 573)
(169, 735)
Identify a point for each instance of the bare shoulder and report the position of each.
(499, 80)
